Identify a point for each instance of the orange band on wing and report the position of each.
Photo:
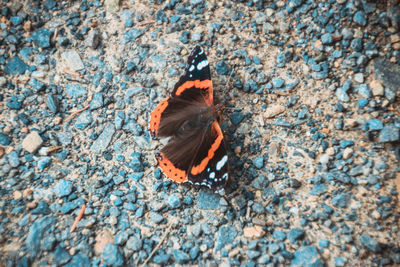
(205, 84)
(170, 170)
(203, 164)
(155, 116)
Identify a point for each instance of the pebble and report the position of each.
(389, 133)
(73, 60)
(377, 88)
(41, 37)
(104, 139)
(307, 256)
(15, 66)
(370, 243)
(32, 142)
(273, 111)
(174, 201)
(112, 255)
(63, 188)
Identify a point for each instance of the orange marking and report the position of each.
(155, 116)
(203, 164)
(170, 170)
(206, 84)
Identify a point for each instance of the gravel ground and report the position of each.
(311, 96)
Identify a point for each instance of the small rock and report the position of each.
(102, 142)
(307, 256)
(180, 256)
(370, 243)
(15, 66)
(63, 188)
(341, 200)
(237, 118)
(174, 201)
(5, 140)
(112, 255)
(93, 39)
(359, 77)
(73, 60)
(226, 235)
(74, 90)
(134, 243)
(295, 234)
(61, 256)
(253, 232)
(273, 111)
(207, 200)
(41, 37)
(112, 5)
(377, 88)
(360, 18)
(389, 133)
(32, 142)
(347, 153)
(258, 162)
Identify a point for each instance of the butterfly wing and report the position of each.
(210, 166)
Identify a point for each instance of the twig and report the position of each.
(73, 114)
(159, 244)
(146, 23)
(53, 148)
(78, 218)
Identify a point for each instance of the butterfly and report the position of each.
(195, 151)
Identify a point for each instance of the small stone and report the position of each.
(237, 118)
(174, 201)
(258, 162)
(61, 256)
(389, 133)
(347, 153)
(63, 188)
(5, 140)
(93, 39)
(207, 200)
(359, 18)
(15, 66)
(327, 38)
(52, 103)
(84, 120)
(104, 139)
(359, 77)
(32, 142)
(112, 255)
(277, 82)
(17, 195)
(307, 256)
(73, 60)
(97, 101)
(295, 235)
(112, 5)
(134, 243)
(74, 90)
(180, 256)
(339, 261)
(41, 37)
(273, 111)
(156, 217)
(377, 88)
(253, 232)
(226, 235)
(370, 243)
(43, 163)
(341, 200)
(222, 68)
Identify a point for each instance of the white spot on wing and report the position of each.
(212, 175)
(202, 64)
(225, 176)
(222, 162)
(191, 68)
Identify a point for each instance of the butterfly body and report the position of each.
(196, 150)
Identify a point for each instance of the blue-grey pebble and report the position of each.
(112, 255)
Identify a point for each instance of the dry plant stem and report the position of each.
(73, 114)
(78, 218)
(158, 245)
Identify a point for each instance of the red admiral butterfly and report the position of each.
(196, 150)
